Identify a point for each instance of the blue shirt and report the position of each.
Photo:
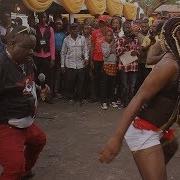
(59, 39)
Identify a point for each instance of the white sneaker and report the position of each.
(104, 106)
(71, 101)
(114, 105)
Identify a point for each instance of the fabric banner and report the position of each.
(38, 5)
(72, 6)
(114, 7)
(130, 11)
(96, 6)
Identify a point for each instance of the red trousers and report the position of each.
(19, 150)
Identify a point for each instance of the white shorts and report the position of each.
(138, 139)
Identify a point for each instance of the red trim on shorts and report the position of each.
(140, 123)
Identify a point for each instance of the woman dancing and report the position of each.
(141, 127)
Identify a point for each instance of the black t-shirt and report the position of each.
(16, 87)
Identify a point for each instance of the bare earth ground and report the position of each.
(75, 136)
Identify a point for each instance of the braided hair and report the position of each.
(170, 41)
(169, 38)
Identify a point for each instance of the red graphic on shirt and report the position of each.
(26, 85)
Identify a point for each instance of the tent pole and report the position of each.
(71, 18)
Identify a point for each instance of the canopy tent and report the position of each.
(112, 7)
(38, 5)
(96, 7)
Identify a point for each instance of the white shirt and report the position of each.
(74, 52)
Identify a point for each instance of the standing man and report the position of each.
(45, 48)
(21, 141)
(116, 24)
(59, 39)
(18, 21)
(129, 70)
(5, 28)
(98, 38)
(145, 42)
(32, 23)
(74, 57)
(5, 25)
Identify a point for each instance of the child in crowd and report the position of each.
(109, 71)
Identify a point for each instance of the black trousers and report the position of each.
(98, 68)
(57, 76)
(129, 84)
(119, 86)
(75, 83)
(43, 66)
(108, 88)
(88, 84)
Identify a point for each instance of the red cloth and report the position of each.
(143, 124)
(19, 150)
(97, 40)
(104, 18)
(169, 135)
(146, 125)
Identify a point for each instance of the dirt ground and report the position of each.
(75, 135)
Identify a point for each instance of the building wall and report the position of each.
(22, 16)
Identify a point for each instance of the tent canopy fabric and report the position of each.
(129, 11)
(115, 7)
(72, 6)
(95, 7)
(38, 5)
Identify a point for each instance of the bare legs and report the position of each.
(151, 163)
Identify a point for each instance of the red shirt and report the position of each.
(97, 39)
(51, 54)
